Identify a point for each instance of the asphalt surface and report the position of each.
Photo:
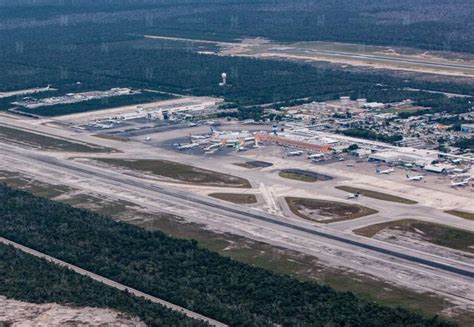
(388, 59)
(376, 248)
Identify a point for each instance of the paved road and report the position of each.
(112, 283)
(396, 254)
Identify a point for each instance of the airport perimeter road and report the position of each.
(113, 284)
(377, 250)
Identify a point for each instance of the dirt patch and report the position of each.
(33, 186)
(179, 172)
(254, 164)
(376, 195)
(19, 313)
(235, 197)
(442, 235)
(323, 211)
(19, 136)
(304, 175)
(462, 214)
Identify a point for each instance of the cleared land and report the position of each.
(179, 172)
(33, 186)
(254, 164)
(442, 235)
(353, 54)
(19, 136)
(19, 313)
(376, 195)
(235, 197)
(462, 214)
(323, 211)
(304, 175)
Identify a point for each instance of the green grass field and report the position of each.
(376, 195)
(441, 235)
(179, 172)
(19, 136)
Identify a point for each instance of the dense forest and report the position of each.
(100, 45)
(31, 279)
(180, 272)
(430, 24)
(179, 69)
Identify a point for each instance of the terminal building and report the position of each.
(399, 157)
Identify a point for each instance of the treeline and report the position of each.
(105, 56)
(371, 135)
(27, 278)
(182, 273)
(432, 24)
(465, 143)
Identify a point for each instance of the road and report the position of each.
(112, 283)
(388, 251)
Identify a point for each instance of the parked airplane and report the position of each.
(414, 178)
(461, 183)
(385, 172)
(187, 146)
(198, 137)
(316, 156)
(467, 175)
(295, 153)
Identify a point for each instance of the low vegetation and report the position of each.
(376, 195)
(304, 175)
(235, 197)
(442, 235)
(462, 214)
(254, 164)
(323, 211)
(51, 283)
(20, 136)
(179, 172)
(111, 137)
(180, 272)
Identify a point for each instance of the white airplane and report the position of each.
(460, 175)
(316, 156)
(385, 172)
(414, 178)
(187, 146)
(461, 183)
(212, 151)
(353, 196)
(295, 153)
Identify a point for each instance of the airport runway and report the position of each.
(387, 59)
(370, 247)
